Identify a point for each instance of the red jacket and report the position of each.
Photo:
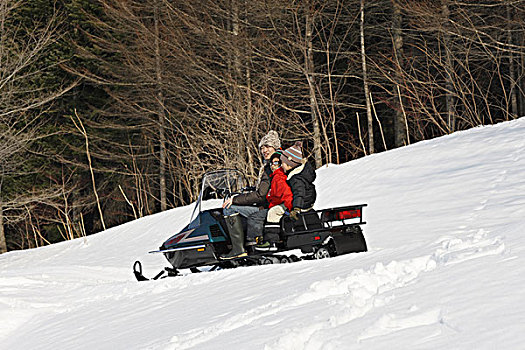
(280, 192)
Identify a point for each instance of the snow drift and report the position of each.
(445, 268)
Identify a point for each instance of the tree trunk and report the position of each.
(449, 69)
(242, 91)
(161, 114)
(3, 242)
(400, 132)
(236, 49)
(310, 69)
(365, 82)
(522, 90)
(3, 6)
(249, 116)
(512, 68)
(332, 111)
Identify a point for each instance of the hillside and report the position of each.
(446, 236)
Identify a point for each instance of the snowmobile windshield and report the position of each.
(217, 185)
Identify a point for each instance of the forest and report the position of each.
(111, 110)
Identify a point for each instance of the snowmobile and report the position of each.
(316, 234)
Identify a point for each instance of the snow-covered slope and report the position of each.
(446, 268)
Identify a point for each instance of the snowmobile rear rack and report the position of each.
(315, 220)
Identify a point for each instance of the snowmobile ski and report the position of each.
(137, 271)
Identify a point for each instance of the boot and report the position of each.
(234, 224)
(266, 246)
(250, 242)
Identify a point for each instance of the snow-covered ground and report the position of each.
(445, 268)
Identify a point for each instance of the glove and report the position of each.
(227, 203)
(294, 214)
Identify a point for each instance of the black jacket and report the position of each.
(301, 181)
(257, 197)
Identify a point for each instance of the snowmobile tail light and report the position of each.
(317, 238)
(349, 214)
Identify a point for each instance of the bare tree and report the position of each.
(3, 242)
(22, 106)
(513, 89)
(161, 109)
(365, 81)
(400, 131)
(310, 77)
(449, 68)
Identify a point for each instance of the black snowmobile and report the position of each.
(317, 234)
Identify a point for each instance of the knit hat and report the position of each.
(271, 139)
(293, 156)
(276, 155)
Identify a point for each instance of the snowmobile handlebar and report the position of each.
(225, 193)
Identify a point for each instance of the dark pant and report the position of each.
(256, 224)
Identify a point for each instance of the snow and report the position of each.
(445, 268)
